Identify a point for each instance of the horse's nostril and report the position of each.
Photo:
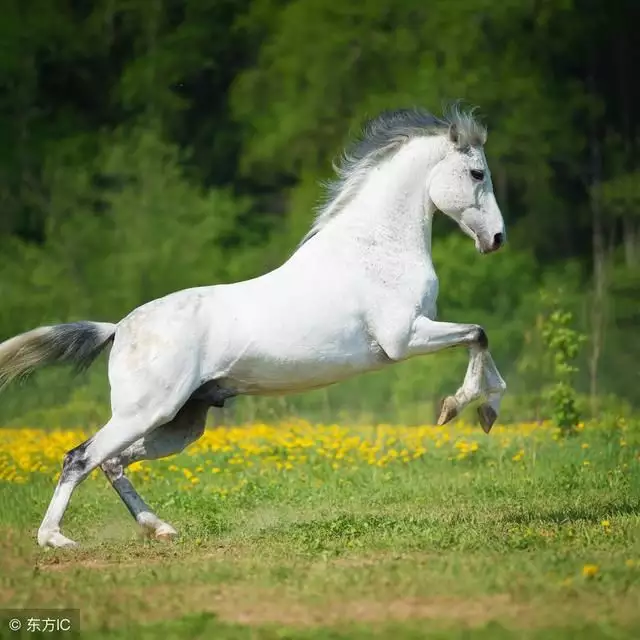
(498, 240)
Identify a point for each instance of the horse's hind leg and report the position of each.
(173, 437)
(77, 465)
(114, 437)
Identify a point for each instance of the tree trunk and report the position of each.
(599, 261)
(630, 241)
(625, 81)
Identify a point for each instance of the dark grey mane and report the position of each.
(382, 137)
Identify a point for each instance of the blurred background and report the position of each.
(153, 145)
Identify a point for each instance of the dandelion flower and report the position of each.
(590, 570)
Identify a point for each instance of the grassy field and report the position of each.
(319, 532)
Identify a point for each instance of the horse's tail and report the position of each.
(76, 343)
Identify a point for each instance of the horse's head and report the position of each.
(460, 186)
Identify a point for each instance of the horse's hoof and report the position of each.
(55, 540)
(487, 416)
(448, 410)
(165, 537)
(165, 532)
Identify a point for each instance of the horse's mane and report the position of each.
(382, 137)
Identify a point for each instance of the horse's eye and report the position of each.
(476, 174)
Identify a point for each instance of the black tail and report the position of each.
(77, 343)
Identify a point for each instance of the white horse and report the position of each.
(358, 294)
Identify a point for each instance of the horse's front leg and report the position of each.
(495, 388)
(428, 336)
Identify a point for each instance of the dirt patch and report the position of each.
(255, 607)
(69, 562)
(82, 559)
(382, 557)
(54, 565)
(248, 605)
(264, 611)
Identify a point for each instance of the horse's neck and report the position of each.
(391, 210)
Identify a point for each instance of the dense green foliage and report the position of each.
(150, 145)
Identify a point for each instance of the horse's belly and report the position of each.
(301, 368)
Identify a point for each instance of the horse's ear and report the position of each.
(454, 136)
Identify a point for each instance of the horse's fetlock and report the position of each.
(481, 339)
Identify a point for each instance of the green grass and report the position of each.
(429, 549)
